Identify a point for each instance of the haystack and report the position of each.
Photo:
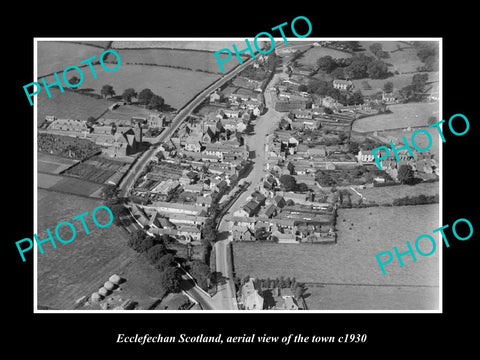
(102, 291)
(109, 285)
(115, 279)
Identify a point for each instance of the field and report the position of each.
(194, 60)
(69, 105)
(81, 267)
(403, 115)
(96, 169)
(398, 81)
(339, 297)
(403, 61)
(210, 45)
(68, 185)
(311, 56)
(53, 164)
(352, 261)
(55, 56)
(176, 86)
(385, 195)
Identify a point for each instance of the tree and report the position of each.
(388, 86)
(109, 191)
(107, 90)
(156, 102)
(419, 81)
(338, 73)
(144, 96)
(327, 64)
(165, 262)
(201, 273)
(74, 80)
(288, 182)
(170, 279)
(356, 98)
(302, 187)
(375, 47)
(135, 240)
(303, 87)
(128, 94)
(147, 243)
(155, 253)
(91, 120)
(405, 174)
(377, 69)
(261, 234)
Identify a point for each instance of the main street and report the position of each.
(264, 125)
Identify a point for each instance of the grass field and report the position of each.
(67, 185)
(69, 105)
(53, 164)
(352, 260)
(55, 56)
(176, 86)
(210, 45)
(311, 56)
(405, 60)
(195, 60)
(403, 115)
(386, 195)
(339, 297)
(82, 266)
(399, 81)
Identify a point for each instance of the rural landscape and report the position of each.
(253, 189)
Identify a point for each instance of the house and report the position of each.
(216, 96)
(251, 208)
(389, 97)
(189, 232)
(365, 156)
(177, 208)
(259, 198)
(208, 136)
(290, 303)
(342, 84)
(156, 120)
(204, 201)
(250, 297)
(243, 234)
(232, 113)
(279, 201)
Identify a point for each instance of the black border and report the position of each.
(92, 334)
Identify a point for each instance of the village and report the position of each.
(314, 162)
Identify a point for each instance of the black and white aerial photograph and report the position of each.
(178, 175)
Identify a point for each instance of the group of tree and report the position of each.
(201, 273)
(145, 97)
(107, 91)
(415, 90)
(155, 250)
(427, 52)
(209, 237)
(290, 184)
(377, 50)
(356, 67)
(416, 200)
